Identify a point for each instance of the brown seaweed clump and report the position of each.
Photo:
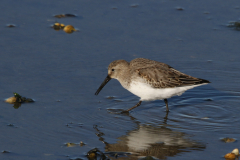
(17, 100)
(228, 140)
(57, 26)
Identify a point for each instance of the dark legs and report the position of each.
(138, 104)
(166, 102)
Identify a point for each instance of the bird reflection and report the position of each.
(149, 140)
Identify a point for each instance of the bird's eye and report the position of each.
(112, 69)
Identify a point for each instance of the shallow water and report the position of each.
(61, 72)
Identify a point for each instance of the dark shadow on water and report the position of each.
(16, 105)
(115, 111)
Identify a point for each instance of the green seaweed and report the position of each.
(20, 99)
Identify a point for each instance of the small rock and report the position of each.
(236, 151)
(11, 100)
(4, 151)
(69, 29)
(230, 156)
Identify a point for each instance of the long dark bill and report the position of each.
(106, 80)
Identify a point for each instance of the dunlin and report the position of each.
(150, 80)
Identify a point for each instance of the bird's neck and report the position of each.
(124, 78)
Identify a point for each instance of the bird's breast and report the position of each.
(147, 93)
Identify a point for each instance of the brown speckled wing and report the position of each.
(146, 63)
(160, 75)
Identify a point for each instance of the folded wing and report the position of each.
(161, 75)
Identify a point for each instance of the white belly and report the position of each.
(147, 93)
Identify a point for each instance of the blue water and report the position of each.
(61, 72)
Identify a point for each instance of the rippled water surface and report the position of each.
(61, 72)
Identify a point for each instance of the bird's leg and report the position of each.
(138, 104)
(166, 102)
(165, 118)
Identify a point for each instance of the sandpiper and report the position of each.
(150, 80)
